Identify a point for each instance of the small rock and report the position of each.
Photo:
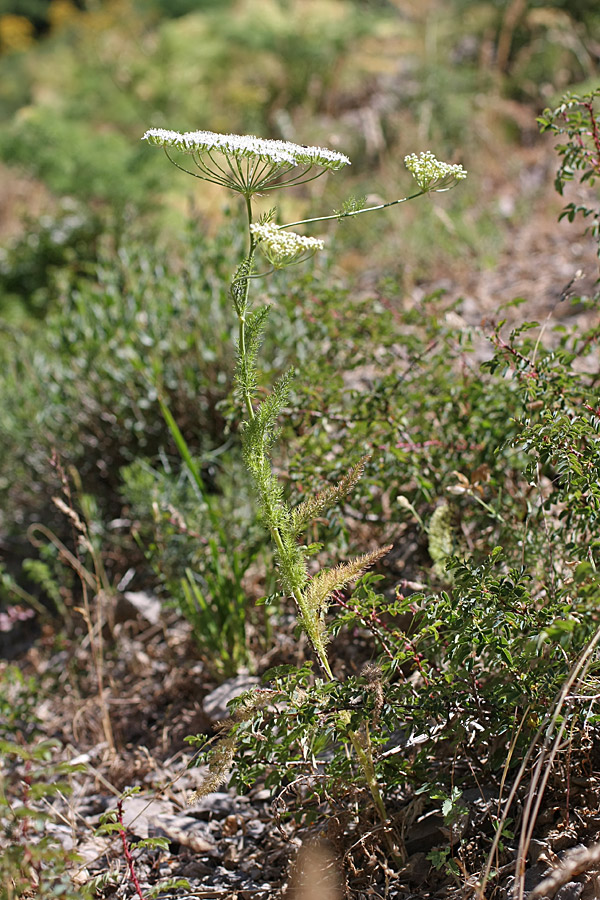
(426, 832)
(231, 857)
(255, 828)
(140, 814)
(188, 832)
(62, 833)
(133, 603)
(231, 825)
(195, 868)
(215, 703)
(417, 869)
(215, 806)
(480, 798)
(539, 850)
(535, 873)
(93, 849)
(563, 840)
(591, 890)
(570, 891)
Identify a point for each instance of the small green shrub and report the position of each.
(576, 122)
(32, 861)
(18, 703)
(51, 251)
(74, 160)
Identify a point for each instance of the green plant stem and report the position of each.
(494, 513)
(242, 344)
(356, 212)
(277, 540)
(24, 595)
(184, 452)
(365, 758)
(243, 307)
(276, 536)
(299, 601)
(363, 753)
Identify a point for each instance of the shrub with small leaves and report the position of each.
(576, 122)
(32, 775)
(112, 823)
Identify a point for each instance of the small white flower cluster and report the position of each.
(283, 247)
(247, 147)
(431, 174)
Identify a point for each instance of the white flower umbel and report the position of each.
(431, 174)
(282, 248)
(245, 163)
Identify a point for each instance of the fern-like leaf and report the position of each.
(246, 365)
(327, 581)
(351, 205)
(260, 432)
(239, 284)
(313, 506)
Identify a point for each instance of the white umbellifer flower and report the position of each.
(431, 174)
(250, 164)
(282, 248)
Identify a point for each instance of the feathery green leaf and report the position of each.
(328, 580)
(246, 363)
(260, 432)
(239, 284)
(313, 506)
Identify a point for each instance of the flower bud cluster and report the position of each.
(283, 247)
(431, 174)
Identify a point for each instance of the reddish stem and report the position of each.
(127, 851)
(589, 106)
(502, 345)
(374, 622)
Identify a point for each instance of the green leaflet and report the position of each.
(239, 284)
(328, 580)
(246, 362)
(260, 432)
(313, 506)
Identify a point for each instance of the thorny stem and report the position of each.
(589, 106)
(127, 851)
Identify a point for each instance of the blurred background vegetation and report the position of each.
(80, 82)
(112, 263)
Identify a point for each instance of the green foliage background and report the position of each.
(111, 263)
(113, 275)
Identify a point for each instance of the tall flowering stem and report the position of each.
(250, 165)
